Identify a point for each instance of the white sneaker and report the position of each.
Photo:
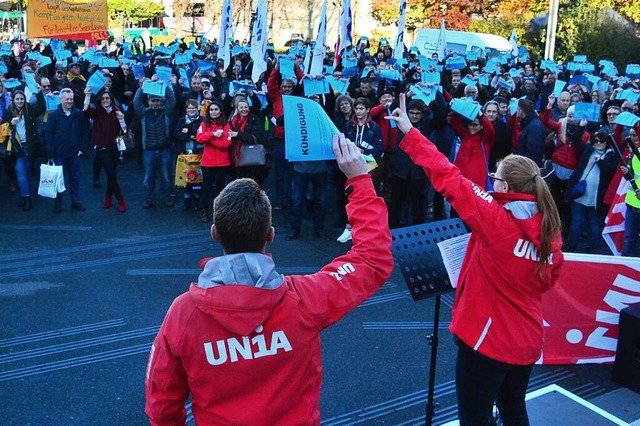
(345, 236)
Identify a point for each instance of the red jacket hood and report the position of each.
(239, 291)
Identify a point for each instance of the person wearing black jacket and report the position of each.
(185, 138)
(596, 167)
(532, 134)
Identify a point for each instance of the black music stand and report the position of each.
(416, 253)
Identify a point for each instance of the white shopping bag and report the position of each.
(51, 181)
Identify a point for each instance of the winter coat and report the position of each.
(216, 148)
(66, 135)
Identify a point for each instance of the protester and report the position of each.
(531, 135)
(67, 138)
(240, 297)
(185, 137)
(632, 200)
(498, 297)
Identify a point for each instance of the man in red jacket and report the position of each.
(245, 340)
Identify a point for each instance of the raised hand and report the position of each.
(348, 156)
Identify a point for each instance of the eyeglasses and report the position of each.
(494, 178)
(612, 114)
(45, 86)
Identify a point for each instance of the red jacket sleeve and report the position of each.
(488, 131)
(223, 142)
(166, 386)
(378, 112)
(456, 123)
(338, 288)
(554, 126)
(203, 135)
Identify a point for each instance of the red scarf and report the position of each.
(237, 124)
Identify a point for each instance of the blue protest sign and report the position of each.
(96, 81)
(468, 81)
(138, 71)
(313, 86)
(348, 63)
(483, 79)
(473, 55)
(605, 63)
(52, 102)
(587, 111)
(603, 85)
(44, 60)
(61, 54)
(263, 100)
(630, 95)
(308, 130)
(182, 59)
(287, 69)
(579, 79)
(502, 60)
(184, 77)
(587, 67)
(610, 70)
(30, 82)
(513, 106)
(573, 66)
(430, 77)
(424, 94)
(349, 72)
(164, 74)
(455, 63)
(547, 64)
(391, 75)
(205, 66)
(558, 88)
(241, 85)
(339, 85)
(465, 108)
(424, 63)
(491, 66)
(329, 69)
(12, 83)
(129, 61)
(156, 88)
(515, 73)
(366, 71)
(632, 71)
(504, 83)
(108, 63)
(439, 68)
(626, 118)
(593, 79)
(579, 58)
(3, 68)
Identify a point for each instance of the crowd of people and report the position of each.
(203, 111)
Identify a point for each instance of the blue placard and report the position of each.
(491, 66)
(483, 79)
(603, 85)
(33, 55)
(610, 70)
(349, 72)
(626, 118)
(456, 63)
(579, 79)
(513, 106)
(424, 94)
(156, 88)
(205, 66)
(587, 67)
(348, 63)
(632, 71)
(241, 85)
(96, 81)
(182, 59)
(329, 69)
(366, 71)
(30, 82)
(465, 108)
(339, 85)
(391, 75)
(579, 58)
(287, 69)
(3, 68)
(44, 60)
(164, 74)
(558, 88)
(308, 130)
(138, 71)
(593, 79)
(630, 95)
(52, 102)
(474, 55)
(605, 63)
(61, 54)
(185, 77)
(468, 81)
(587, 111)
(129, 61)
(504, 83)
(430, 77)
(314, 86)
(513, 72)
(108, 63)
(548, 64)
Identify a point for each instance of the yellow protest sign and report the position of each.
(67, 19)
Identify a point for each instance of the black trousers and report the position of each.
(214, 180)
(407, 192)
(481, 381)
(107, 159)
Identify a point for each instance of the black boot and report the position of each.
(27, 204)
(187, 204)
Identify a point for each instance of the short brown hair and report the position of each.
(242, 217)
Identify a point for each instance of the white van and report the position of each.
(460, 41)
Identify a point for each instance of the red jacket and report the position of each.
(389, 133)
(249, 351)
(471, 160)
(273, 90)
(216, 149)
(565, 154)
(497, 309)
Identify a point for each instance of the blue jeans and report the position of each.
(157, 161)
(319, 183)
(283, 173)
(23, 171)
(631, 230)
(583, 217)
(71, 168)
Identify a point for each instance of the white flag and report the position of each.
(226, 32)
(513, 41)
(398, 49)
(345, 39)
(259, 39)
(441, 47)
(319, 52)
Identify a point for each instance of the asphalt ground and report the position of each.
(82, 295)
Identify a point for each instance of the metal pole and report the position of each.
(552, 26)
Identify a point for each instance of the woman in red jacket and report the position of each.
(477, 139)
(512, 258)
(213, 133)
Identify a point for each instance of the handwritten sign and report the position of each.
(52, 18)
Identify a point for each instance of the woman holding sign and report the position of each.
(513, 257)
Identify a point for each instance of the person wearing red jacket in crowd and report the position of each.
(513, 257)
(213, 133)
(244, 341)
(477, 138)
(276, 87)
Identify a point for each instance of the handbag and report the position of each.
(121, 144)
(188, 170)
(252, 155)
(580, 187)
(51, 181)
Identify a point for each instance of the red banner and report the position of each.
(582, 311)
